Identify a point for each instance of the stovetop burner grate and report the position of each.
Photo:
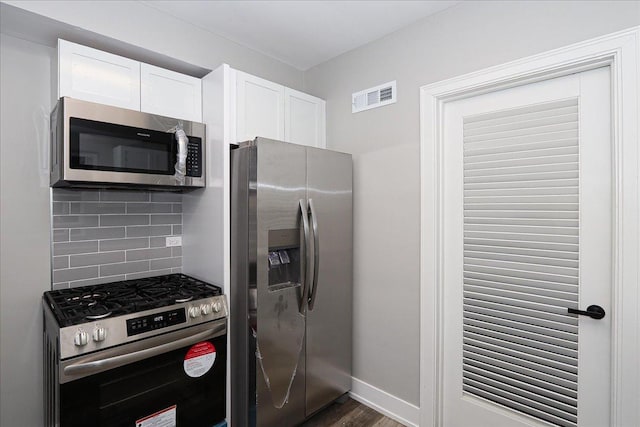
(83, 304)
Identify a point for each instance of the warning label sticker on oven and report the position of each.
(164, 418)
(199, 359)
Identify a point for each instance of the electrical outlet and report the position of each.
(174, 241)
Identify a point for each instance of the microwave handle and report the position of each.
(100, 365)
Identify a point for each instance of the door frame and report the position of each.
(619, 51)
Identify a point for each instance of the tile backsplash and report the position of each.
(108, 235)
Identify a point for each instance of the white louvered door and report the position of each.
(527, 235)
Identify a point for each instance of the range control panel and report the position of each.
(112, 331)
(152, 322)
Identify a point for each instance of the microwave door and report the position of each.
(116, 148)
(142, 159)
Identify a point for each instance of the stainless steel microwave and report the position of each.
(94, 145)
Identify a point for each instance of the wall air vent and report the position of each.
(378, 96)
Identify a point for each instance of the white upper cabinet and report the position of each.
(304, 119)
(96, 76)
(259, 108)
(270, 110)
(170, 94)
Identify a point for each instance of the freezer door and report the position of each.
(280, 272)
(329, 324)
(243, 284)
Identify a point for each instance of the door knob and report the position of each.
(593, 311)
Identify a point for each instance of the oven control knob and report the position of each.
(205, 309)
(216, 306)
(194, 312)
(81, 338)
(99, 334)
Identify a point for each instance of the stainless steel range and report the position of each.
(136, 353)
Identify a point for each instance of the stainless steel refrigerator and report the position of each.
(291, 281)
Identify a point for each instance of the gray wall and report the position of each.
(25, 85)
(385, 146)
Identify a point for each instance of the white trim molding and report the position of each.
(621, 52)
(393, 407)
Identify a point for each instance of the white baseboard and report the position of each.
(385, 403)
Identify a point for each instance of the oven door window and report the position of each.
(121, 396)
(108, 147)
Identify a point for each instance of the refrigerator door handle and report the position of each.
(304, 215)
(316, 255)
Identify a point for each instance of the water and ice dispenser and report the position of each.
(284, 258)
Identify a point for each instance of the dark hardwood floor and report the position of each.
(349, 414)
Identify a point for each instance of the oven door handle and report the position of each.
(100, 365)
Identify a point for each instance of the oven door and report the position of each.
(179, 382)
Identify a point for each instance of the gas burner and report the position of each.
(98, 316)
(79, 305)
(89, 296)
(100, 309)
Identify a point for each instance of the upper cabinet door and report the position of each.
(259, 108)
(304, 119)
(96, 76)
(168, 93)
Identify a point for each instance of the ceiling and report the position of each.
(301, 33)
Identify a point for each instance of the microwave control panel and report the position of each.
(194, 157)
